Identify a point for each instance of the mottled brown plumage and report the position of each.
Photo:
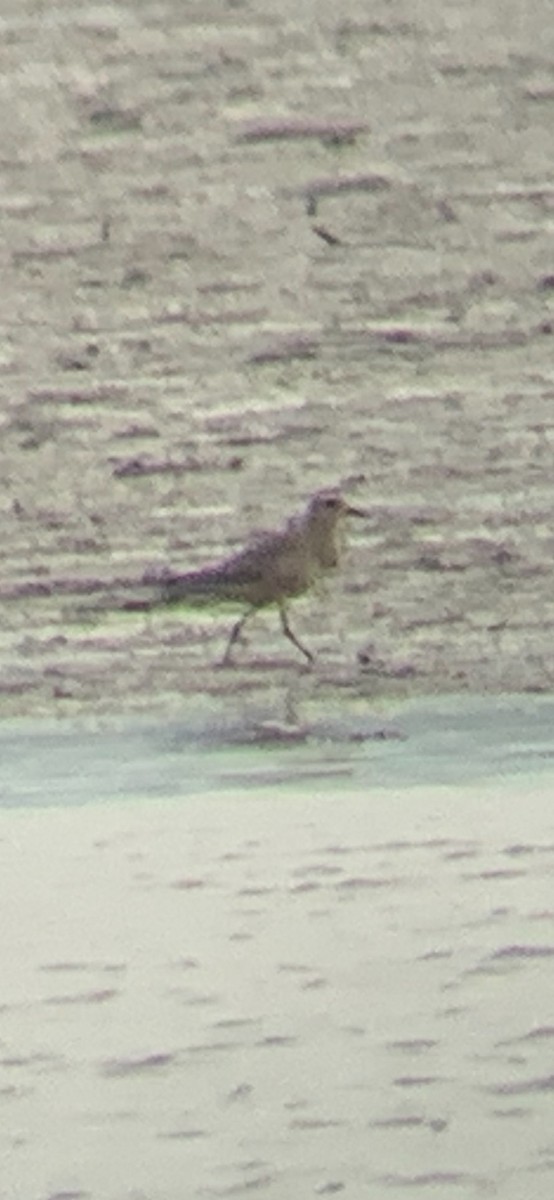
(272, 569)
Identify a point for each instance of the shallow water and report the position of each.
(441, 741)
(339, 982)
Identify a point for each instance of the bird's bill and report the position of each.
(350, 511)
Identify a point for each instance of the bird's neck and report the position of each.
(324, 547)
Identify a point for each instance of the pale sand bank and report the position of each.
(279, 993)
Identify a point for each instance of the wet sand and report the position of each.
(279, 968)
(279, 992)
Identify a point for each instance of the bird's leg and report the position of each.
(235, 634)
(290, 635)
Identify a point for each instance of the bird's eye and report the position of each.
(331, 502)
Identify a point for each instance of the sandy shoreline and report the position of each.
(279, 993)
(248, 253)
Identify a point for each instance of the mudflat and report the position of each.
(249, 252)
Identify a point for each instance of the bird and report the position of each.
(273, 568)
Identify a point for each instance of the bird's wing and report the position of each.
(237, 578)
(263, 573)
(270, 568)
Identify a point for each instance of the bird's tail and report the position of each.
(156, 590)
(196, 588)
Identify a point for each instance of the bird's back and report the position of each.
(273, 566)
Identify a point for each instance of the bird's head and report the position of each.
(328, 507)
(323, 526)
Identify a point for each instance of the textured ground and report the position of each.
(249, 252)
(279, 993)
